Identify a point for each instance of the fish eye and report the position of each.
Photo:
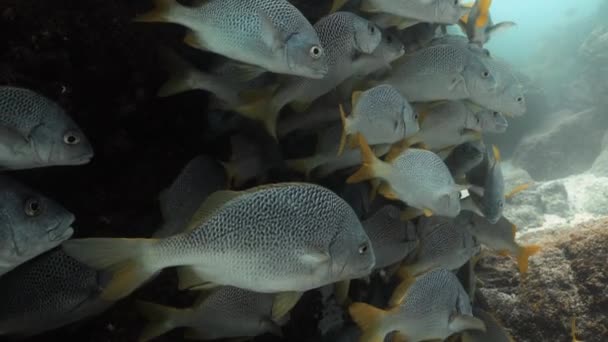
(389, 39)
(496, 113)
(455, 2)
(485, 74)
(316, 52)
(363, 248)
(501, 204)
(519, 99)
(372, 29)
(478, 120)
(32, 207)
(416, 116)
(71, 138)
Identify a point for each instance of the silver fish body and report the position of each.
(30, 224)
(433, 11)
(488, 176)
(49, 292)
(465, 157)
(35, 132)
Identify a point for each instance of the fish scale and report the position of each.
(53, 289)
(24, 109)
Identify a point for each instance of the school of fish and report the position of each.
(398, 126)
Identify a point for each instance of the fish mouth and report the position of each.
(66, 234)
(83, 159)
(318, 73)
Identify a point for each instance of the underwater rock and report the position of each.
(569, 147)
(567, 280)
(600, 165)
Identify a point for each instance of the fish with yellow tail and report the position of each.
(478, 25)
(381, 115)
(282, 238)
(271, 34)
(417, 177)
(500, 237)
(434, 307)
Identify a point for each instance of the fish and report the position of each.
(434, 307)
(500, 237)
(30, 224)
(410, 12)
(246, 163)
(227, 312)
(478, 25)
(381, 115)
(444, 243)
(417, 177)
(347, 39)
(358, 196)
(495, 332)
(488, 190)
(465, 157)
(48, 292)
(392, 239)
(320, 114)
(446, 124)
(492, 121)
(201, 177)
(36, 132)
(441, 72)
(271, 34)
(305, 237)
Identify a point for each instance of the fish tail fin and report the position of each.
(304, 165)
(345, 130)
(181, 75)
(261, 108)
(524, 254)
(484, 13)
(369, 319)
(122, 258)
(161, 12)
(162, 319)
(371, 164)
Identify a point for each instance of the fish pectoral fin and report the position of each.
(456, 81)
(272, 37)
(342, 289)
(194, 40)
(12, 139)
(503, 26)
(460, 323)
(190, 278)
(314, 258)
(477, 190)
(215, 201)
(283, 303)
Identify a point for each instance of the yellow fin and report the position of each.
(524, 254)
(122, 258)
(159, 13)
(484, 13)
(261, 109)
(513, 230)
(574, 330)
(401, 290)
(345, 126)
(215, 201)
(190, 279)
(517, 190)
(369, 6)
(303, 165)
(342, 288)
(410, 213)
(355, 98)
(385, 190)
(336, 5)
(427, 212)
(369, 319)
(496, 152)
(368, 169)
(283, 303)
(161, 319)
(191, 39)
(464, 19)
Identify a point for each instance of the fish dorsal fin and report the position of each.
(215, 201)
(355, 98)
(283, 303)
(345, 130)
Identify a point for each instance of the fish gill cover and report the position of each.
(306, 170)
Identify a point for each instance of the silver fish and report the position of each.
(305, 237)
(30, 224)
(36, 132)
(272, 34)
(488, 192)
(48, 292)
(228, 312)
(430, 11)
(465, 157)
(478, 25)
